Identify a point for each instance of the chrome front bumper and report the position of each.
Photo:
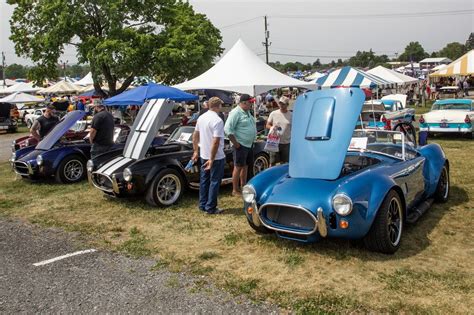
(22, 168)
(92, 178)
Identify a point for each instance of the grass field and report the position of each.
(431, 273)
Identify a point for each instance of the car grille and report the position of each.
(288, 218)
(103, 182)
(21, 168)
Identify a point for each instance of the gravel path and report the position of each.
(96, 282)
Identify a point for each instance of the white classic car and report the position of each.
(31, 117)
(449, 116)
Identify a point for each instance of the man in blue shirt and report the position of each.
(241, 129)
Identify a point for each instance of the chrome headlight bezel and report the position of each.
(249, 194)
(13, 157)
(39, 160)
(127, 174)
(90, 166)
(342, 204)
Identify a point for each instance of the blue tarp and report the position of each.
(139, 95)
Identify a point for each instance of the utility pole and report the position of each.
(267, 36)
(3, 69)
(63, 64)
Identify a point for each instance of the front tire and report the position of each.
(386, 231)
(166, 188)
(441, 194)
(71, 170)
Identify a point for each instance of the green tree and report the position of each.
(15, 71)
(367, 59)
(452, 50)
(317, 64)
(413, 52)
(470, 42)
(119, 39)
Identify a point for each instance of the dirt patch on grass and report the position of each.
(432, 272)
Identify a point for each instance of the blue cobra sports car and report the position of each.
(345, 183)
(54, 156)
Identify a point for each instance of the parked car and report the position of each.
(362, 184)
(7, 122)
(450, 92)
(59, 156)
(157, 173)
(449, 116)
(388, 115)
(31, 117)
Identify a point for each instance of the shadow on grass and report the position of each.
(414, 240)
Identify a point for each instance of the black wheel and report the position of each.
(441, 194)
(72, 169)
(386, 231)
(408, 130)
(260, 163)
(165, 189)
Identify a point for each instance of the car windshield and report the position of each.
(392, 143)
(182, 134)
(453, 106)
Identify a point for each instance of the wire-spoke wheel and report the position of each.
(166, 188)
(386, 231)
(442, 190)
(260, 163)
(71, 170)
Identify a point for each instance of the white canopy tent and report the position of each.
(7, 82)
(20, 97)
(86, 80)
(241, 71)
(314, 76)
(21, 87)
(391, 75)
(61, 87)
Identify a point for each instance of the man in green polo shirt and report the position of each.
(241, 129)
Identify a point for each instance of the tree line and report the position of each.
(414, 51)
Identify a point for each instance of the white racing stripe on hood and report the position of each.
(116, 166)
(109, 164)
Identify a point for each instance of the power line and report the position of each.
(377, 15)
(314, 56)
(241, 22)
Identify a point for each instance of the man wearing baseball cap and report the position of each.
(241, 129)
(43, 125)
(208, 144)
(281, 119)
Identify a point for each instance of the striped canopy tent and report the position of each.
(351, 77)
(461, 67)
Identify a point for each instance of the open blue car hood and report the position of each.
(60, 129)
(322, 127)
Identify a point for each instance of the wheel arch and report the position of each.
(163, 164)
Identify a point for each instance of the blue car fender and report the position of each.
(367, 191)
(59, 154)
(435, 160)
(264, 181)
(24, 151)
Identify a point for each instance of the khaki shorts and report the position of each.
(282, 156)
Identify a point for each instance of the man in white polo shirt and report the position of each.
(208, 144)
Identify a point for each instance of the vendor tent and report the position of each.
(351, 77)
(61, 87)
(314, 76)
(87, 80)
(462, 66)
(391, 75)
(241, 71)
(21, 87)
(139, 95)
(20, 97)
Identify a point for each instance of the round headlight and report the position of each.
(90, 166)
(13, 157)
(342, 204)
(127, 174)
(39, 160)
(248, 194)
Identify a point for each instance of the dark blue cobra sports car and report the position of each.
(54, 156)
(345, 183)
